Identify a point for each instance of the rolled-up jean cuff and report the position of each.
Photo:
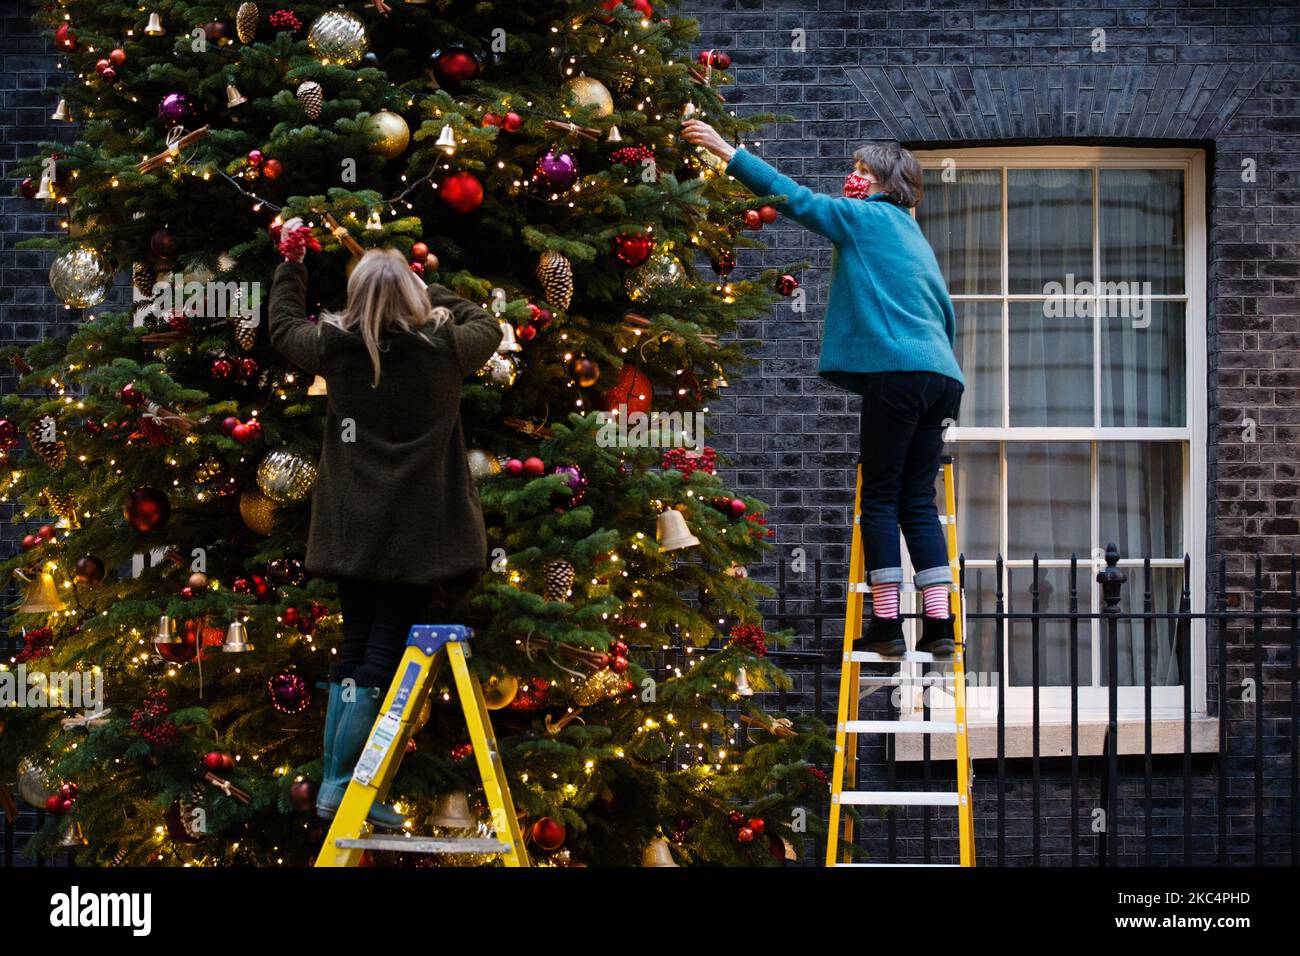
(887, 576)
(939, 575)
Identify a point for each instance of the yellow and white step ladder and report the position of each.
(427, 646)
(848, 727)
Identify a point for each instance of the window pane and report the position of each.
(1141, 226)
(979, 498)
(1140, 498)
(1053, 636)
(1144, 368)
(1049, 510)
(979, 352)
(1166, 635)
(1051, 367)
(963, 220)
(1049, 227)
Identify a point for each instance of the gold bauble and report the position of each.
(81, 277)
(586, 91)
(258, 511)
(387, 134)
(584, 371)
(285, 476)
(481, 464)
(661, 270)
(337, 36)
(499, 692)
(198, 581)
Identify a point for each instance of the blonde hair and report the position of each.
(895, 169)
(385, 295)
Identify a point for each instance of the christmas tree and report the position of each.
(160, 459)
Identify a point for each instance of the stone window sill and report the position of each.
(1054, 739)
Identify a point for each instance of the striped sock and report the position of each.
(936, 601)
(884, 600)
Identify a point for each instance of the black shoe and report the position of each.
(884, 637)
(937, 637)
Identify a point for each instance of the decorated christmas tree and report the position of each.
(160, 460)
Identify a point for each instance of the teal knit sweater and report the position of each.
(888, 309)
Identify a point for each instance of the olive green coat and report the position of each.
(394, 499)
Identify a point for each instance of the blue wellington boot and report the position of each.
(351, 723)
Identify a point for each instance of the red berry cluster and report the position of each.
(38, 642)
(750, 636)
(688, 462)
(632, 155)
(286, 20)
(761, 530)
(152, 723)
(293, 245)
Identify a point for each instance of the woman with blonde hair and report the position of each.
(888, 335)
(395, 516)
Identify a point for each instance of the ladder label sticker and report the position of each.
(386, 730)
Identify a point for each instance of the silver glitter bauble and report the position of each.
(81, 277)
(337, 36)
(500, 371)
(285, 476)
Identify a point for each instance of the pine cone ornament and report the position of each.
(143, 277)
(312, 98)
(555, 273)
(246, 22)
(53, 452)
(61, 503)
(245, 334)
(558, 575)
(599, 686)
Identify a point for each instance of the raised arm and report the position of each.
(827, 216)
(475, 333)
(292, 335)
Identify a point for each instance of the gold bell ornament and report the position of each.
(447, 139)
(45, 192)
(451, 810)
(72, 837)
(508, 341)
(62, 113)
(234, 97)
(154, 27)
(672, 533)
(42, 596)
(236, 639)
(613, 136)
(742, 684)
(657, 853)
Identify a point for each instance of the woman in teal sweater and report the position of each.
(888, 335)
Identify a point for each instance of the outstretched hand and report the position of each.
(699, 133)
(296, 239)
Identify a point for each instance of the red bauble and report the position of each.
(633, 249)
(302, 796)
(222, 369)
(163, 243)
(618, 648)
(147, 509)
(454, 65)
(419, 252)
(417, 268)
(45, 532)
(633, 389)
(187, 593)
(514, 468)
(786, 284)
(271, 169)
(255, 157)
(28, 188)
(512, 122)
(290, 694)
(768, 214)
(229, 424)
(738, 507)
(54, 804)
(65, 38)
(241, 585)
(548, 834)
(131, 396)
(752, 219)
(108, 75)
(461, 191)
(533, 467)
(491, 119)
(725, 263)
(719, 58)
(525, 333)
(757, 824)
(30, 541)
(735, 818)
(246, 369)
(618, 665)
(215, 761)
(254, 427)
(117, 55)
(102, 64)
(241, 434)
(291, 616)
(744, 835)
(89, 570)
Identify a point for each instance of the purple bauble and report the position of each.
(289, 692)
(175, 109)
(577, 483)
(557, 171)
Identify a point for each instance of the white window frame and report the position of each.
(1054, 702)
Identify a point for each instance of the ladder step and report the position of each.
(900, 726)
(916, 657)
(419, 844)
(938, 681)
(901, 798)
(953, 865)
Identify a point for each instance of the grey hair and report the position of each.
(895, 169)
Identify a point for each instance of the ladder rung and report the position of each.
(917, 657)
(418, 844)
(954, 865)
(938, 681)
(900, 727)
(901, 798)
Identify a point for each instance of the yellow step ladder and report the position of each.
(427, 646)
(848, 727)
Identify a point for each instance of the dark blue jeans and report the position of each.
(904, 415)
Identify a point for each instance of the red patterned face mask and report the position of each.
(857, 186)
